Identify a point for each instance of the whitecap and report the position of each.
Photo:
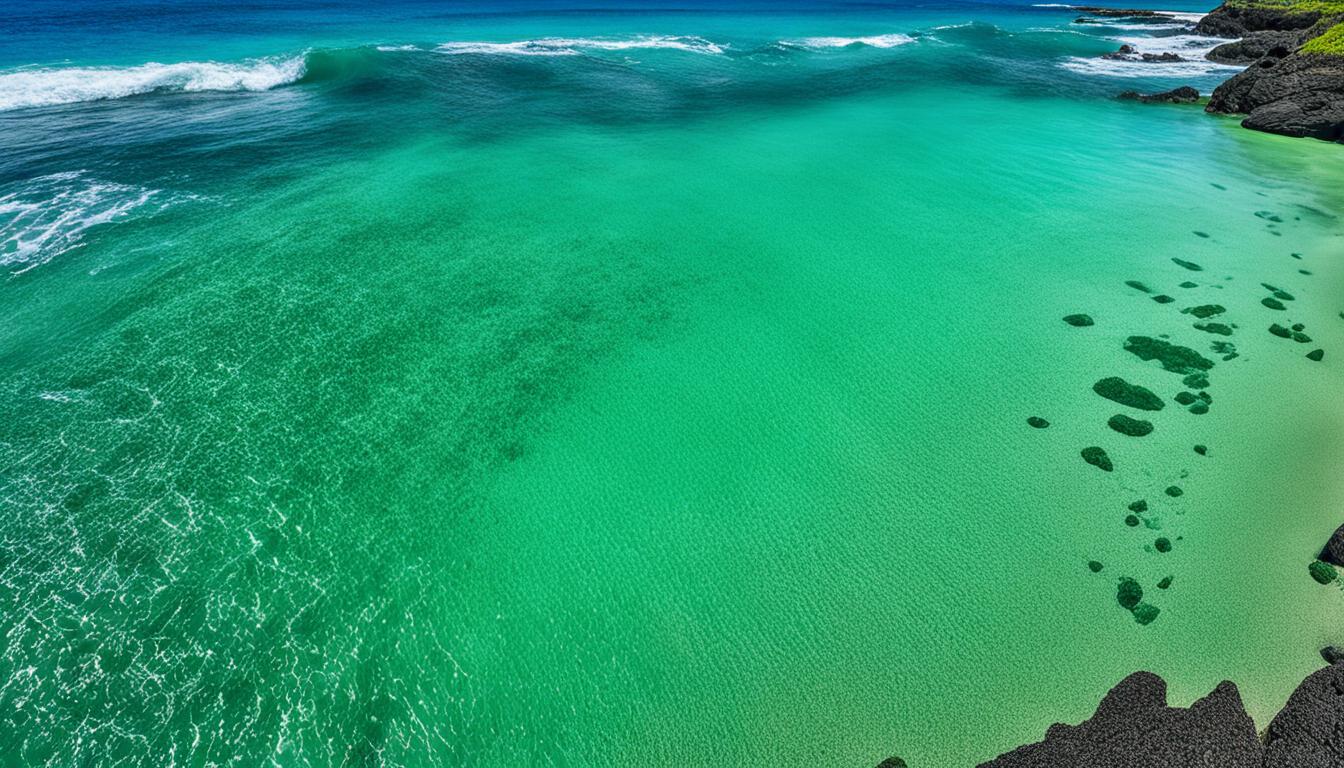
(571, 46)
(871, 41)
(1135, 68)
(50, 215)
(66, 85)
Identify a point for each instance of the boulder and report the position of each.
(1241, 19)
(1183, 95)
(1292, 93)
(1309, 731)
(1257, 45)
(1333, 552)
(1134, 728)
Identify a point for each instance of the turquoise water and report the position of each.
(635, 385)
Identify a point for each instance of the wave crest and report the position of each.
(572, 46)
(67, 85)
(871, 41)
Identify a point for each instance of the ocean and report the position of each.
(628, 383)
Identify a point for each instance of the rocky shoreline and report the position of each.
(1134, 727)
(1293, 51)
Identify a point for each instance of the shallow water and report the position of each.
(651, 389)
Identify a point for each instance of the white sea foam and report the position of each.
(571, 46)
(1133, 68)
(65, 85)
(396, 48)
(872, 41)
(49, 215)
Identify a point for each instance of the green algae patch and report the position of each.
(1322, 572)
(1165, 583)
(1118, 390)
(1127, 425)
(1097, 457)
(1163, 544)
(1172, 357)
(1132, 520)
(1138, 506)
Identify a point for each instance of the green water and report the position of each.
(681, 442)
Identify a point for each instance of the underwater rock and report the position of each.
(1322, 572)
(1316, 354)
(1201, 234)
(1202, 450)
(1189, 284)
(1332, 654)
(1128, 593)
(1138, 286)
(1126, 425)
(1218, 328)
(1132, 521)
(1273, 303)
(1199, 409)
(1190, 265)
(1146, 613)
(1078, 321)
(1098, 458)
(1037, 422)
(1174, 491)
(1118, 390)
(1196, 381)
(1172, 357)
(1280, 331)
(1163, 298)
(1185, 398)
(1205, 311)
(1300, 337)
(1094, 566)
(892, 762)
(1164, 583)
(1138, 506)
(1163, 544)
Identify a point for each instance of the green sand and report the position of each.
(675, 446)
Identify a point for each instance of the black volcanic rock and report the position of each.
(1288, 93)
(1333, 552)
(1134, 728)
(1309, 731)
(1257, 45)
(1240, 20)
(892, 762)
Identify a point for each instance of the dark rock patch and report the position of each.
(1174, 491)
(1190, 265)
(1126, 425)
(1316, 354)
(1097, 457)
(1138, 506)
(1132, 521)
(1205, 311)
(1172, 357)
(1202, 450)
(1163, 298)
(1037, 422)
(1078, 321)
(1273, 303)
(1165, 583)
(1163, 544)
(1138, 286)
(1117, 389)
(1094, 566)
(1333, 552)
(1201, 234)
(1218, 328)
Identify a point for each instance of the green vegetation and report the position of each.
(1322, 572)
(1297, 6)
(1329, 43)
